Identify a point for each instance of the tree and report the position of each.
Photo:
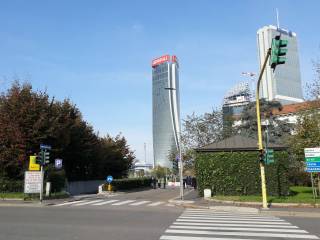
(29, 118)
(278, 130)
(313, 88)
(201, 130)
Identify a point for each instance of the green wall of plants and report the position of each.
(238, 173)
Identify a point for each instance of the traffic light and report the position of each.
(261, 155)
(39, 158)
(46, 157)
(278, 51)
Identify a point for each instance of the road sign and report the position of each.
(313, 164)
(312, 154)
(45, 147)
(109, 179)
(58, 163)
(312, 157)
(32, 182)
(313, 169)
(33, 166)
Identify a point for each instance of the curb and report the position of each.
(258, 204)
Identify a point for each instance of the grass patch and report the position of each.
(31, 197)
(12, 195)
(297, 195)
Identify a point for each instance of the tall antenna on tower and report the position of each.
(278, 23)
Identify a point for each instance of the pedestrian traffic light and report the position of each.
(46, 157)
(278, 51)
(39, 158)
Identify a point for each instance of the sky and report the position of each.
(98, 53)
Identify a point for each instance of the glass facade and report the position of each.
(283, 84)
(166, 111)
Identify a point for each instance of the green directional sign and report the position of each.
(269, 156)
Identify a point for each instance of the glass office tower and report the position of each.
(283, 84)
(165, 108)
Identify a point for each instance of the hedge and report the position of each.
(238, 173)
(129, 183)
(11, 185)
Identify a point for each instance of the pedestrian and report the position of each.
(159, 183)
(194, 182)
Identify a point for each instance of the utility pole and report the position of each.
(260, 145)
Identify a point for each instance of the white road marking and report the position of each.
(244, 234)
(139, 203)
(123, 202)
(166, 237)
(155, 204)
(105, 202)
(87, 203)
(229, 221)
(241, 229)
(232, 218)
(69, 203)
(233, 225)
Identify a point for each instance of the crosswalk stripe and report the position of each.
(69, 203)
(123, 202)
(222, 213)
(233, 225)
(241, 229)
(155, 204)
(139, 203)
(229, 221)
(87, 203)
(226, 216)
(167, 237)
(244, 234)
(105, 202)
(219, 211)
(232, 218)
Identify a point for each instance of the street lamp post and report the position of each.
(178, 134)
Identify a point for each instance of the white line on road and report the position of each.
(244, 234)
(104, 203)
(229, 221)
(123, 203)
(87, 203)
(233, 225)
(167, 237)
(139, 203)
(233, 218)
(241, 229)
(69, 203)
(226, 216)
(155, 204)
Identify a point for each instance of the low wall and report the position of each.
(82, 187)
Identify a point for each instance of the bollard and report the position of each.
(109, 187)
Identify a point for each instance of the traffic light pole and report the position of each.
(41, 185)
(262, 170)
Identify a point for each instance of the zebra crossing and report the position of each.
(113, 202)
(204, 224)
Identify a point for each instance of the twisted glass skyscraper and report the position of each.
(166, 108)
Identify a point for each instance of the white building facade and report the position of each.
(165, 109)
(284, 83)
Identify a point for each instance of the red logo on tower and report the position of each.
(160, 60)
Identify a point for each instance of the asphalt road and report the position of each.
(136, 215)
(53, 223)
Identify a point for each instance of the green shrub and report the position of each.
(7, 185)
(238, 173)
(57, 179)
(129, 183)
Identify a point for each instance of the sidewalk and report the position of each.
(192, 200)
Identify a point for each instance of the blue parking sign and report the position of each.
(109, 179)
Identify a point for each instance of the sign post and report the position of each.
(32, 182)
(109, 180)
